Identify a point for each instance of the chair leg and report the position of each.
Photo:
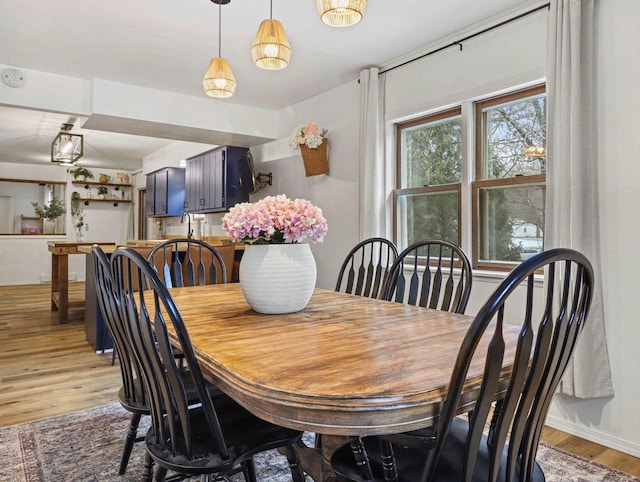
(128, 442)
(361, 457)
(148, 468)
(159, 474)
(250, 470)
(294, 464)
(388, 461)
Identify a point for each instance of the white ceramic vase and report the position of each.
(277, 278)
(48, 226)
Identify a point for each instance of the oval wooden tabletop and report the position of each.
(345, 365)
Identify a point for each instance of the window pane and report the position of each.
(515, 138)
(432, 153)
(428, 216)
(511, 222)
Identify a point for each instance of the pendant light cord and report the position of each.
(271, 10)
(220, 30)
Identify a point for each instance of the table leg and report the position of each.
(63, 288)
(54, 280)
(316, 462)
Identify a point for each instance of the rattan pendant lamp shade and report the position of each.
(219, 80)
(341, 13)
(271, 49)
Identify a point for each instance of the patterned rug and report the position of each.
(86, 447)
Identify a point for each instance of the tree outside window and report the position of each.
(428, 196)
(509, 191)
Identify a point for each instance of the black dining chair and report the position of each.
(365, 269)
(131, 395)
(432, 273)
(469, 449)
(213, 437)
(187, 262)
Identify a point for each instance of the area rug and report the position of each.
(86, 447)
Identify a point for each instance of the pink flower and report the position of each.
(311, 129)
(275, 220)
(310, 135)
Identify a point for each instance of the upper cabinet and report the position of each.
(217, 179)
(165, 192)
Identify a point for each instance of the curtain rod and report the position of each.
(459, 42)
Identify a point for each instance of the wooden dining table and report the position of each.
(343, 366)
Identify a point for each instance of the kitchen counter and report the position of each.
(212, 240)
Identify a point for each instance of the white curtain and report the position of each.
(374, 178)
(572, 178)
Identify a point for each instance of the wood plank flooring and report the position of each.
(48, 369)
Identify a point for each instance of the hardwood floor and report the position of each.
(48, 369)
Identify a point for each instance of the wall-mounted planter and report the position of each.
(316, 161)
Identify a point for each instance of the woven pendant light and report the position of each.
(341, 13)
(271, 49)
(218, 79)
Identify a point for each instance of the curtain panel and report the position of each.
(373, 171)
(572, 212)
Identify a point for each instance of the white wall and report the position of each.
(335, 193)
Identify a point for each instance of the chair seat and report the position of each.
(245, 436)
(410, 462)
(138, 403)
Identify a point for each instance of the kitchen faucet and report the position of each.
(189, 232)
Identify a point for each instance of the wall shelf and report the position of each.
(86, 184)
(115, 202)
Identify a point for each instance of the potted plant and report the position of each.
(49, 213)
(312, 142)
(102, 191)
(277, 271)
(81, 226)
(75, 203)
(82, 172)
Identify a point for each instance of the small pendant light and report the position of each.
(271, 49)
(219, 80)
(66, 147)
(341, 13)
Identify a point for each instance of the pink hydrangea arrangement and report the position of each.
(309, 134)
(275, 220)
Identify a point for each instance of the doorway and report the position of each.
(142, 217)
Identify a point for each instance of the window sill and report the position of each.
(498, 276)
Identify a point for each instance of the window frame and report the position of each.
(400, 191)
(471, 184)
(478, 183)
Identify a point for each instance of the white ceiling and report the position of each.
(167, 45)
